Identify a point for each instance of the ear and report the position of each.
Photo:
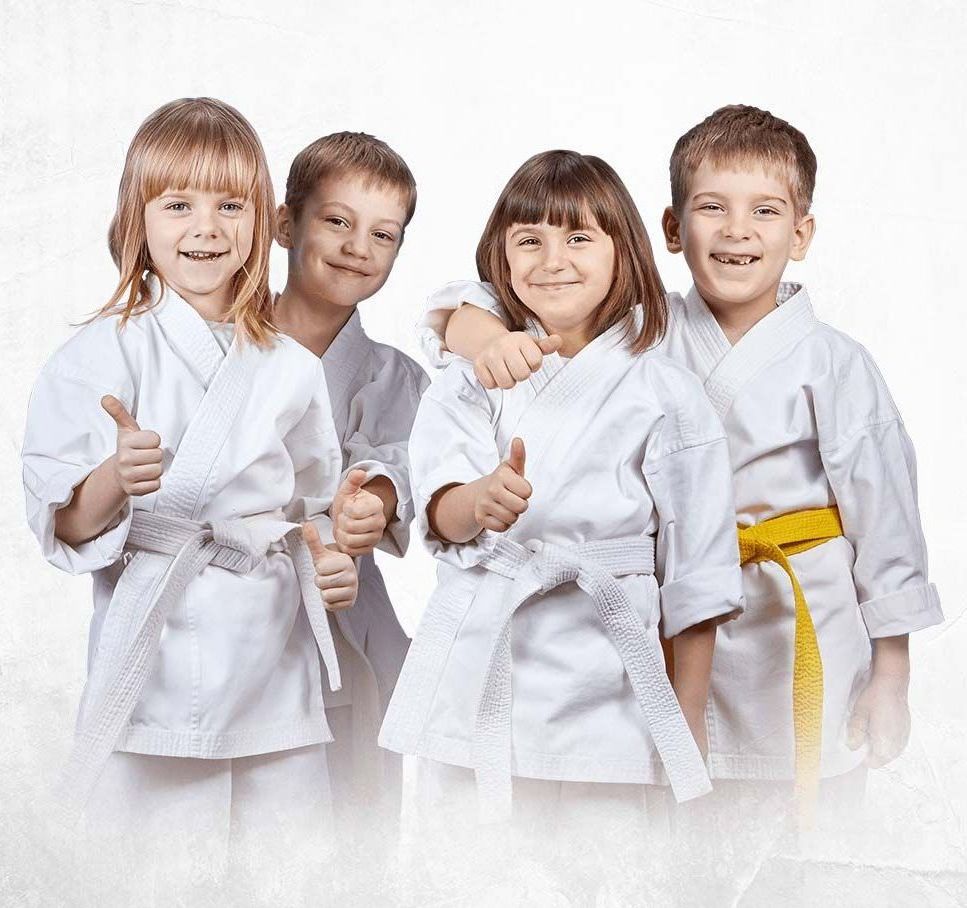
(671, 227)
(283, 226)
(802, 236)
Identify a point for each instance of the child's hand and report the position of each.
(503, 497)
(881, 719)
(138, 460)
(358, 519)
(511, 358)
(335, 572)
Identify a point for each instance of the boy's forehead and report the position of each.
(746, 175)
(356, 188)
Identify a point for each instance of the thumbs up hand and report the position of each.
(358, 518)
(512, 357)
(335, 571)
(137, 463)
(503, 497)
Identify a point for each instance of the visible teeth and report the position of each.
(202, 256)
(734, 259)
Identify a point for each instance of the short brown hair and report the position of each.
(738, 133)
(204, 144)
(563, 188)
(344, 153)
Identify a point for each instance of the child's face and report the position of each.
(738, 229)
(561, 275)
(345, 240)
(198, 241)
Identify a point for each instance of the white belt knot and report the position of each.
(538, 567)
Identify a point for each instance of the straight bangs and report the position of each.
(209, 158)
(205, 145)
(570, 190)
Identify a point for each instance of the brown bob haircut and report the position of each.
(567, 189)
(738, 134)
(202, 144)
(349, 154)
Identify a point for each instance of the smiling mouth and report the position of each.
(558, 285)
(199, 256)
(349, 270)
(726, 259)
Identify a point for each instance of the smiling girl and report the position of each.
(562, 541)
(171, 445)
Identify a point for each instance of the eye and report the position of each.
(176, 206)
(711, 206)
(528, 241)
(383, 235)
(336, 221)
(579, 238)
(765, 210)
(233, 207)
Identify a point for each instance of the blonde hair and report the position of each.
(349, 154)
(202, 144)
(739, 133)
(563, 188)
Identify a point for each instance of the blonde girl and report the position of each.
(172, 446)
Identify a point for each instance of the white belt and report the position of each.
(540, 567)
(237, 545)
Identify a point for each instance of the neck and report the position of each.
(736, 319)
(309, 318)
(212, 307)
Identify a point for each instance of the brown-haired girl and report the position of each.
(171, 444)
(562, 540)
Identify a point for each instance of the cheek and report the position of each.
(244, 236)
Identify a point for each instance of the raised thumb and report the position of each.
(313, 540)
(115, 409)
(517, 456)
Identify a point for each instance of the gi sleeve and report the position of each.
(452, 443)
(313, 445)
(381, 416)
(67, 435)
(871, 468)
(688, 471)
(432, 327)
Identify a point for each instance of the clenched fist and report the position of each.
(358, 519)
(335, 572)
(138, 460)
(503, 497)
(511, 358)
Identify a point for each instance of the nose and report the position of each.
(737, 226)
(356, 244)
(205, 222)
(555, 257)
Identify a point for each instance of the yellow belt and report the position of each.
(775, 540)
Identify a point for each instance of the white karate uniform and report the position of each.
(374, 390)
(810, 424)
(205, 611)
(538, 655)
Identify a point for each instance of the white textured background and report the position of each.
(465, 92)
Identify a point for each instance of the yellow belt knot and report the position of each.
(775, 540)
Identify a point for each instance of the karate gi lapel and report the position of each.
(343, 361)
(789, 322)
(565, 387)
(227, 378)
